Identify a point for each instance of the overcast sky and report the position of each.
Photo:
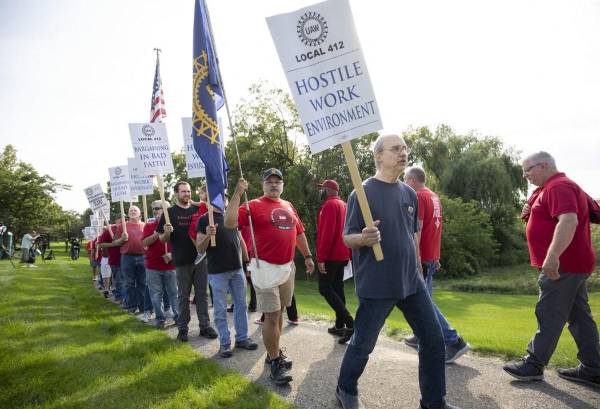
(73, 74)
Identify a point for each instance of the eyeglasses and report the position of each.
(274, 182)
(397, 149)
(157, 208)
(526, 171)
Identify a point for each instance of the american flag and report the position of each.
(157, 108)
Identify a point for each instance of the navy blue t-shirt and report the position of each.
(396, 206)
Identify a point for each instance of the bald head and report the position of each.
(392, 143)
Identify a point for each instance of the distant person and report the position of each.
(160, 271)
(560, 247)
(393, 282)
(430, 242)
(278, 231)
(332, 257)
(26, 246)
(184, 255)
(114, 259)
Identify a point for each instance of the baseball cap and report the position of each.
(272, 172)
(331, 184)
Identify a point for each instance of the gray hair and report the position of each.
(417, 173)
(378, 146)
(159, 203)
(542, 157)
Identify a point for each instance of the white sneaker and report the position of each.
(146, 317)
(169, 313)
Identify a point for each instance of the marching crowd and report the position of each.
(150, 268)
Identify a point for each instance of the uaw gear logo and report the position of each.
(89, 191)
(312, 29)
(282, 219)
(148, 130)
(118, 171)
(202, 123)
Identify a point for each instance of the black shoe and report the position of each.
(446, 406)
(286, 361)
(225, 351)
(577, 375)
(348, 332)
(412, 341)
(252, 308)
(246, 344)
(160, 325)
(339, 331)
(105, 293)
(524, 371)
(456, 350)
(230, 309)
(348, 401)
(182, 336)
(279, 373)
(209, 333)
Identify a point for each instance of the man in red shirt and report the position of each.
(160, 271)
(332, 258)
(105, 242)
(430, 242)
(559, 241)
(278, 231)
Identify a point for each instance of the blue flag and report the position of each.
(207, 99)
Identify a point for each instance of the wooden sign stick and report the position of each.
(360, 193)
(161, 192)
(145, 205)
(211, 218)
(123, 218)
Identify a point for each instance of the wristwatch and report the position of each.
(308, 256)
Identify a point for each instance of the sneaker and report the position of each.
(287, 362)
(225, 351)
(182, 335)
(258, 322)
(246, 344)
(209, 333)
(105, 293)
(577, 375)
(293, 322)
(348, 401)
(146, 317)
(412, 341)
(348, 332)
(279, 372)
(169, 313)
(524, 371)
(230, 308)
(159, 325)
(456, 350)
(446, 406)
(337, 331)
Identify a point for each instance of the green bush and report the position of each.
(467, 241)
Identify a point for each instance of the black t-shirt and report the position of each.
(227, 254)
(184, 252)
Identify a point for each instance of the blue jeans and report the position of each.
(134, 275)
(419, 313)
(157, 280)
(117, 281)
(235, 282)
(450, 334)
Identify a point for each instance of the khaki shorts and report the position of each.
(275, 298)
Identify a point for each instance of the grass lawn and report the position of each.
(496, 324)
(63, 346)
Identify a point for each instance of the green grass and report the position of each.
(63, 346)
(494, 324)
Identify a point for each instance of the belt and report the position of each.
(131, 254)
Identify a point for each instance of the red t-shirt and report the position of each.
(560, 195)
(330, 229)
(113, 253)
(153, 258)
(430, 216)
(202, 208)
(276, 225)
(133, 245)
(247, 240)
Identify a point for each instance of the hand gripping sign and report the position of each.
(329, 81)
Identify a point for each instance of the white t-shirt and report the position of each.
(27, 241)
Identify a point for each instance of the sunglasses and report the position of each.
(157, 208)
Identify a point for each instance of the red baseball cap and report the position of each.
(331, 184)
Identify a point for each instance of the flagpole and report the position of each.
(211, 218)
(237, 152)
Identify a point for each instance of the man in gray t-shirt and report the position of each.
(395, 281)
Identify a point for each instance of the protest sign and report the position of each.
(194, 165)
(151, 148)
(140, 184)
(119, 183)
